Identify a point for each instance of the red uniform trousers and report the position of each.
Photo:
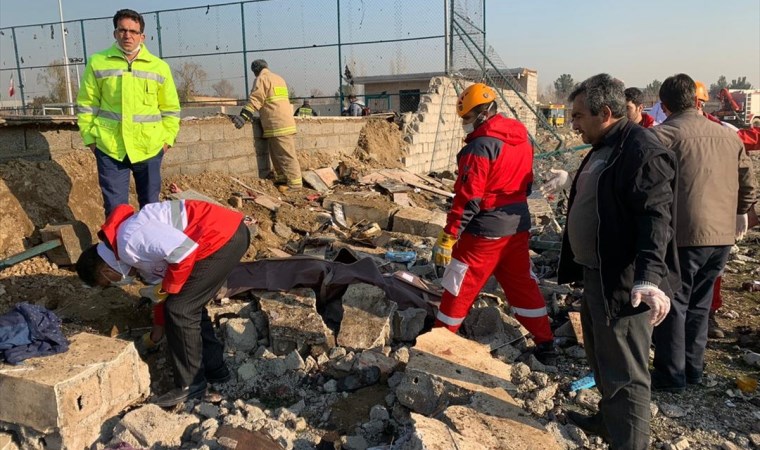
(508, 259)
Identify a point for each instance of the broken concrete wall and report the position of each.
(435, 132)
(65, 399)
(211, 144)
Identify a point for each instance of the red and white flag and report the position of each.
(11, 89)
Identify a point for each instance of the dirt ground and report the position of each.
(36, 193)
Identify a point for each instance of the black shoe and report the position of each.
(179, 395)
(546, 353)
(590, 424)
(218, 376)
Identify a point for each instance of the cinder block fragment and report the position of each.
(419, 221)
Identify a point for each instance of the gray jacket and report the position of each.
(715, 179)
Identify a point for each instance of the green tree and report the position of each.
(652, 92)
(740, 83)
(717, 86)
(563, 85)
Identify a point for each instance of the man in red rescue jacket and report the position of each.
(487, 228)
(634, 108)
(187, 248)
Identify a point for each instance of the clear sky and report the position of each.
(634, 41)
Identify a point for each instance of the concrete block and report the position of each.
(367, 315)
(408, 324)
(175, 155)
(171, 170)
(218, 165)
(49, 140)
(240, 336)
(222, 150)
(419, 221)
(294, 323)
(241, 164)
(151, 427)
(68, 396)
(230, 133)
(213, 130)
(12, 141)
(348, 139)
(189, 131)
(375, 208)
(199, 152)
(74, 237)
(433, 434)
(192, 169)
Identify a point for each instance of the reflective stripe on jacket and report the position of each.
(128, 108)
(270, 98)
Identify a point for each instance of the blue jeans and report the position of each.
(113, 177)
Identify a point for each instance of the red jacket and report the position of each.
(495, 178)
(199, 229)
(751, 138)
(647, 121)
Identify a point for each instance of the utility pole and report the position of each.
(66, 60)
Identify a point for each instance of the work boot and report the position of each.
(546, 353)
(590, 424)
(218, 376)
(714, 331)
(289, 187)
(179, 395)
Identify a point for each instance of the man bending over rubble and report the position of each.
(191, 246)
(487, 229)
(619, 240)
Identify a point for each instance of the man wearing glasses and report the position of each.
(128, 113)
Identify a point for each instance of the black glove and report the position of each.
(239, 121)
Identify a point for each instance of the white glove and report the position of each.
(559, 181)
(658, 302)
(742, 224)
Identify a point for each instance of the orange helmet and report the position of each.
(477, 94)
(702, 91)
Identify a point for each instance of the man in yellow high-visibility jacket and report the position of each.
(128, 113)
(270, 98)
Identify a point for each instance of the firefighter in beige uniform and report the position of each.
(270, 98)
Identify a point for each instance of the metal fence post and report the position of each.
(18, 69)
(158, 34)
(245, 51)
(485, 49)
(340, 63)
(446, 37)
(84, 40)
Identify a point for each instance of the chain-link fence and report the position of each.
(310, 43)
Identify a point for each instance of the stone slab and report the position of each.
(151, 427)
(367, 318)
(447, 369)
(294, 323)
(70, 394)
(368, 208)
(328, 175)
(313, 180)
(74, 237)
(419, 221)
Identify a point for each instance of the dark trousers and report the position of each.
(618, 353)
(113, 177)
(680, 340)
(193, 346)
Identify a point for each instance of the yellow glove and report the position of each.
(442, 249)
(156, 294)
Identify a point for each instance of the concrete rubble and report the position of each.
(367, 318)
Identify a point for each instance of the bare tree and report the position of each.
(316, 92)
(189, 78)
(54, 78)
(223, 88)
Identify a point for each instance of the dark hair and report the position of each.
(128, 14)
(89, 265)
(678, 93)
(634, 95)
(602, 90)
(258, 65)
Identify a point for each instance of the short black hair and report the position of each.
(678, 93)
(128, 14)
(89, 265)
(258, 65)
(602, 90)
(634, 95)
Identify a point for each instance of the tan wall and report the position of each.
(435, 132)
(202, 145)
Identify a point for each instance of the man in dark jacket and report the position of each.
(619, 241)
(718, 191)
(489, 220)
